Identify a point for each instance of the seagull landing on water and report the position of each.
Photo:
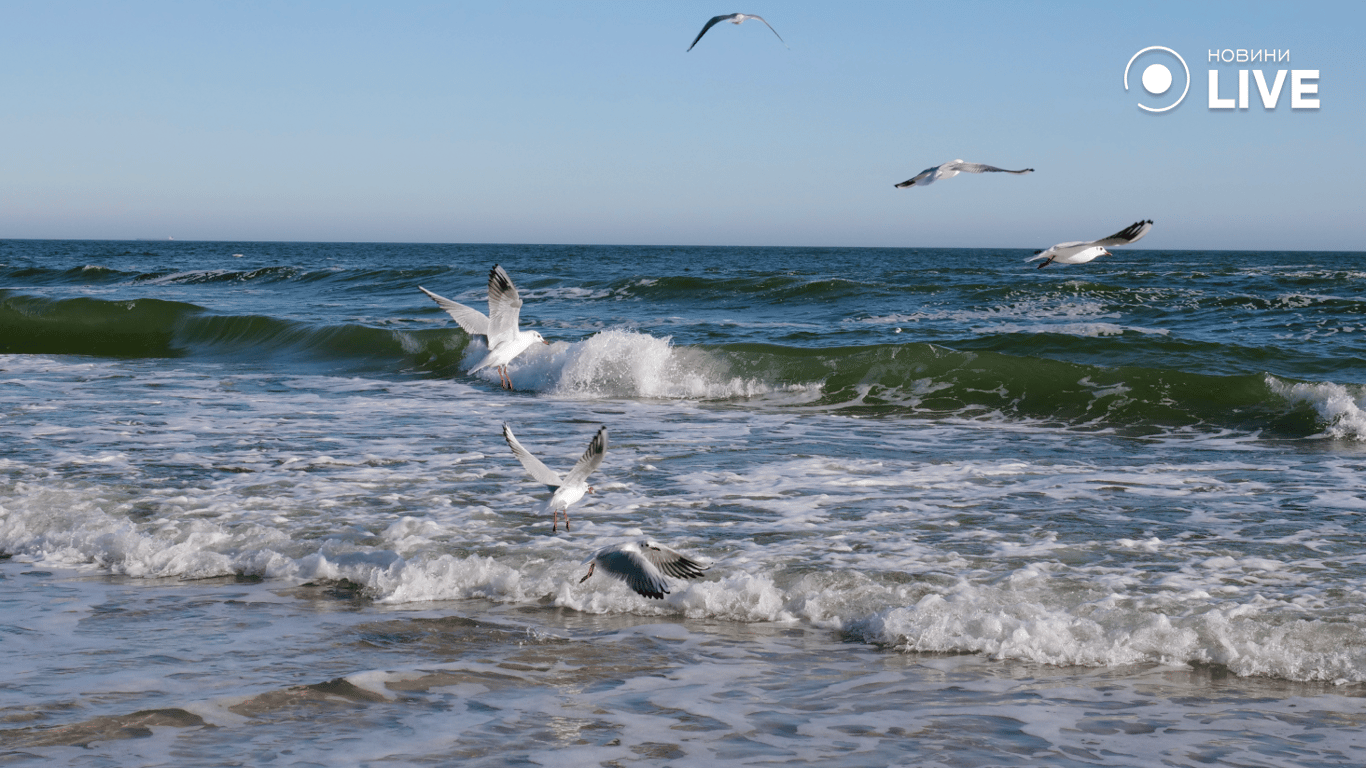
(568, 489)
(499, 327)
(643, 565)
(949, 170)
(1078, 252)
(734, 18)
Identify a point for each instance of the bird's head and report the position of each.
(590, 489)
(538, 337)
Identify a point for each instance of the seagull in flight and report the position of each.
(568, 489)
(1078, 252)
(499, 327)
(949, 170)
(734, 18)
(643, 565)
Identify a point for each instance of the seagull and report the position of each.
(499, 327)
(643, 566)
(949, 170)
(734, 18)
(1078, 252)
(567, 489)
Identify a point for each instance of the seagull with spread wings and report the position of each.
(643, 565)
(949, 170)
(565, 490)
(1080, 252)
(734, 18)
(499, 327)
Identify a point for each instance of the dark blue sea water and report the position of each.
(959, 510)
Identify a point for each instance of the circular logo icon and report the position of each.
(1157, 78)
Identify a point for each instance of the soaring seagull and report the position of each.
(499, 327)
(568, 489)
(1078, 252)
(949, 170)
(734, 18)
(643, 565)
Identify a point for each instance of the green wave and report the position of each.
(930, 380)
(911, 379)
(155, 328)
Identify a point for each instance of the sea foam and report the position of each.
(1342, 408)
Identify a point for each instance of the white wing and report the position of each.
(538, 471)
(591, 458)
(963, 167)
(747, 16)
(917, 177)
(671, 561)
(1130, 234)
(505, 307)
(474, 322)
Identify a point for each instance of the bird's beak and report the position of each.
(545, 342)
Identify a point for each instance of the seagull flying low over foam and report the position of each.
(499, 327)
(1078, 252)
(643, 565)
(734, 18)
(568, 489)
(949, 170)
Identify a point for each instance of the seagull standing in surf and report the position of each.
(643, 565)
(499, 327)
(1079, 252)
(734, 18)
(568, 489)
(949, 170)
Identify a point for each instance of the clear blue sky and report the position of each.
(554, 122)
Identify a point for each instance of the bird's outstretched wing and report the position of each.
(713, 22)
(1130, 234)
(592, 457)
(671, 561)
(766, 24)
(638, 573)
(982, 168)
(538, 471)
(474, 322)
(505, 307)
(917, 177)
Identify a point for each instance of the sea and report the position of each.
(958, 510)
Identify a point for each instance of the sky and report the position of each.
(588, 123)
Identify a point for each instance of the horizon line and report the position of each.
(641, 245)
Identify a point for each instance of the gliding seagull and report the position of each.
(734, 18)
(949, 170)
(1078, 252)
(567, 489)
(643, 566)
(499, 327)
